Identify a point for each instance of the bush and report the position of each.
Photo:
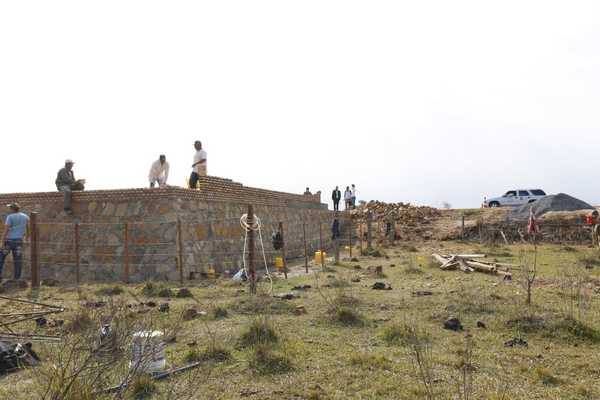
(370, 362)
(545, 377)
(403, 335)
(253, 305)
(347, 316)
(151, 289)
(259, 331)
(142, 387)
(110, 291)
(216, 353)
(81, 322)
(218, 312)
(266, 361)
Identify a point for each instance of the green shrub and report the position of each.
(265, 361)
(259, 331)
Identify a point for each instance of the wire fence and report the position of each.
(172, 251)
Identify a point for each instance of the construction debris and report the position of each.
(20, 311)
(465, 263)
(14, 356)
(453, 324)
(409, 220)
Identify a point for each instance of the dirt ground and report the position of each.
(341, 339)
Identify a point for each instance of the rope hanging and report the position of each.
(256, 226)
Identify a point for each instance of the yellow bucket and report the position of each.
(279, 263)
(211, 273)
(319, 256)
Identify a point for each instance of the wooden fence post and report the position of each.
(360, 239)
(462, 228)
(179, 251)
(126, 253)
(252, 277)
(305, 247)
(369, 230)
(321, 244)
(350, 244)
(33, 233)
(283, 250)
(77, 255)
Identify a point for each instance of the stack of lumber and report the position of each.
(467, 263)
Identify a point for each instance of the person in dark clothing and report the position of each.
(335, 229)
(336, 196)
(66, 183)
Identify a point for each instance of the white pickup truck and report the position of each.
(514, 198)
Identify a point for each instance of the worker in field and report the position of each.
(15, 233)
(159, 172)
(66, 183)
(199, 167)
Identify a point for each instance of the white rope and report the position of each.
(256, 226)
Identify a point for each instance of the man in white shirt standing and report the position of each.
(199, 165)
(159, 172)
(353, 196)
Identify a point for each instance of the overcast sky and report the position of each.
(420, 101)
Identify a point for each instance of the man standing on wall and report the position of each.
(66, 183)
(199, 165)
(336, 196)
(16, 231)
(159, 172)
(348, 198)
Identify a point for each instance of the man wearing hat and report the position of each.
(16, 230)
(66, 183)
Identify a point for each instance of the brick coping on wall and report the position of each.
(210, 189)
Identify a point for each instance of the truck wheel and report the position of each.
(494, 204)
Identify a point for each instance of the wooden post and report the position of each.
(33, 233)
(481, 230)
(126, 253)
(336, 247)
(77, 255)
(360, 238)
(305, 247)
(179, 251)
(252, 270)
(283, 250)
(462, 227)
(369, 230)
(350, 244)
(321, 244)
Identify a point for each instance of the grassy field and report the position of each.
(341, 339)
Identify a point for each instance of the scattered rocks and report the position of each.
(481, 324)
(453, 324)
(95, 304)
(381, 286)
(302, 287)
(516, 342)
(184, 293)
(421, 293)
(287, 296)
(299, 310)
(41, 322)
(151, 304)
(164, 307)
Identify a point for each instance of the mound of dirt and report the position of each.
(553, 203)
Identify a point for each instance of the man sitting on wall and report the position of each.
(66, 183)
(16, 230)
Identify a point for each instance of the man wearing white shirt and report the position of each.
(159, 172)
(199, 165)
(353, 196)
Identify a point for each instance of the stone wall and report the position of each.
(209, 221)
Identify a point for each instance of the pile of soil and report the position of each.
(553, 203)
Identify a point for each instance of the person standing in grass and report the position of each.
(15, 233)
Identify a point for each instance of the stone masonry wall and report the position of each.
(209, 218)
